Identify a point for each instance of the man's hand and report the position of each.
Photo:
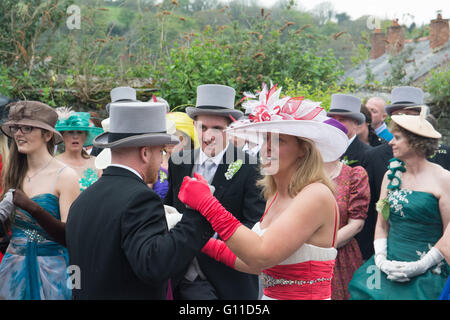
(21, 200)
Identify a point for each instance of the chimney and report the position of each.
(395, 38)
(377, 44)
(438, 32)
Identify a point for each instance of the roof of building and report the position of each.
(419, 59)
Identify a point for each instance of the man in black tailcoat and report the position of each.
(116, 231)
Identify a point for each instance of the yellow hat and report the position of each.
(417, 124)
(185, 124)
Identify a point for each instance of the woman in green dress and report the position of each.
(413, 213)
(78, 133)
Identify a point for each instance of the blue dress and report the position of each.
(445, 295)
(34, 266)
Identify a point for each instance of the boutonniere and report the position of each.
(233, 168)
(348, 162)
(162, 176)
(382, 207)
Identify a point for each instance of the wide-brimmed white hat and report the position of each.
(136, 124)
(417, 124)
(292, 116)
(215, 100)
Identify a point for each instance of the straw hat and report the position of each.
(417, 124)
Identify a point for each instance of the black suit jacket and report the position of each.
(377, 160)
(239, 196)
(356, 153)
(356, 156)
(122, 246)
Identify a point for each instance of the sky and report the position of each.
(422, 10)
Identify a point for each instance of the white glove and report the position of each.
(7, 205)
(172, 216)
(407, 270)
(380, 246)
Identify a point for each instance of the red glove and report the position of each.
(196, 194)
(219, 251)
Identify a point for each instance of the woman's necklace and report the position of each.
(31, 177)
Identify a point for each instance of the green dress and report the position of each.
(415, 225)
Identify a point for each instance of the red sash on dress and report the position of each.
(308, 280)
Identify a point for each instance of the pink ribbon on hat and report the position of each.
(289, 112)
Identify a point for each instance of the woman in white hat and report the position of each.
(40, 190)
(413, 212)
(78, 133)
(293, 246)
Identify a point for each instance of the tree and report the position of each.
(342, 17)
(324, 11)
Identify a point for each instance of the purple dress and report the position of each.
(161, 186)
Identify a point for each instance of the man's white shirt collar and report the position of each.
(382, 127)
(216, 159)
(127, 168)
(351, 140)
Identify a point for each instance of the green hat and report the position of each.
(79, 121)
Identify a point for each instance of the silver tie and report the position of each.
(207, 170)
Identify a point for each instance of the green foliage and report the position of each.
(243, 59)
(6, 85)
(321, 93)
(438, 85)
(22, 25)
(188, 67)
(397, 61)
(172, 45)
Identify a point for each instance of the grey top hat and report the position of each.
(216, 100)
(402, 97)
(347, 106)
(122, 94)
(136, 124)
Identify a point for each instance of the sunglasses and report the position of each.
(23, 129)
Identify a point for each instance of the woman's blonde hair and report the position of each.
(309, 169)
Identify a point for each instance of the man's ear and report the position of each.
(144, 153)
